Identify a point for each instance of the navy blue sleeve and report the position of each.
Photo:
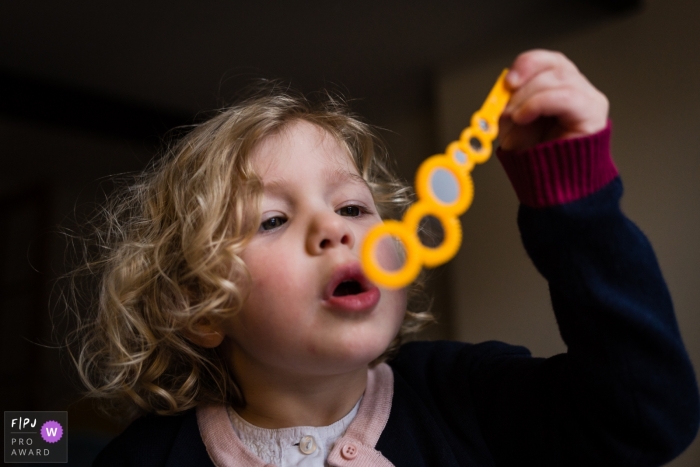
(625, 392)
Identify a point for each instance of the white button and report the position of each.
(307, 445)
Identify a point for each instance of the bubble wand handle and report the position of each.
(445, 190)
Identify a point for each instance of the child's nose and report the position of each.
(328, 230)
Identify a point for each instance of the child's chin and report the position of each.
(359, 353)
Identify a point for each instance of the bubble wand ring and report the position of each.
(412, 262)
(445, 190)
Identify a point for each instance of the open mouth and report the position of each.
(349, 290)
(349, 287)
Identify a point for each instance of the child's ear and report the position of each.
(205, 333)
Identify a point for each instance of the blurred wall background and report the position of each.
(87, 92)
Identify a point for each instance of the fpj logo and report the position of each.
(36, 436)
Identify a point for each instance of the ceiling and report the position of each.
(80, 62)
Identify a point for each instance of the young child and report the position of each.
(234, 312)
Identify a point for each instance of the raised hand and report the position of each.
(551, 100)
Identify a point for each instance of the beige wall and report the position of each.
(649, 66)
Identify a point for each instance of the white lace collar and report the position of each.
(294, 447)
(354, 448)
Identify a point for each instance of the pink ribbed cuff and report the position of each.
(562, 171)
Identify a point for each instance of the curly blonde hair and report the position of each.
(166, 253)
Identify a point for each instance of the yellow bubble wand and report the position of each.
(445, 190)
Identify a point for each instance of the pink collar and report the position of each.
(355, 448)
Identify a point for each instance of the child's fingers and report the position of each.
(544, 80)
(544, 70)
(534, 62)
(549, 85)
(561, 102)
(550, 114)
(578, 108)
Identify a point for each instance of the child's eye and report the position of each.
(350, 211)
(272, 223)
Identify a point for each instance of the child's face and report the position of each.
(316, 210)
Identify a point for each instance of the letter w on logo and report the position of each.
(51, 432)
